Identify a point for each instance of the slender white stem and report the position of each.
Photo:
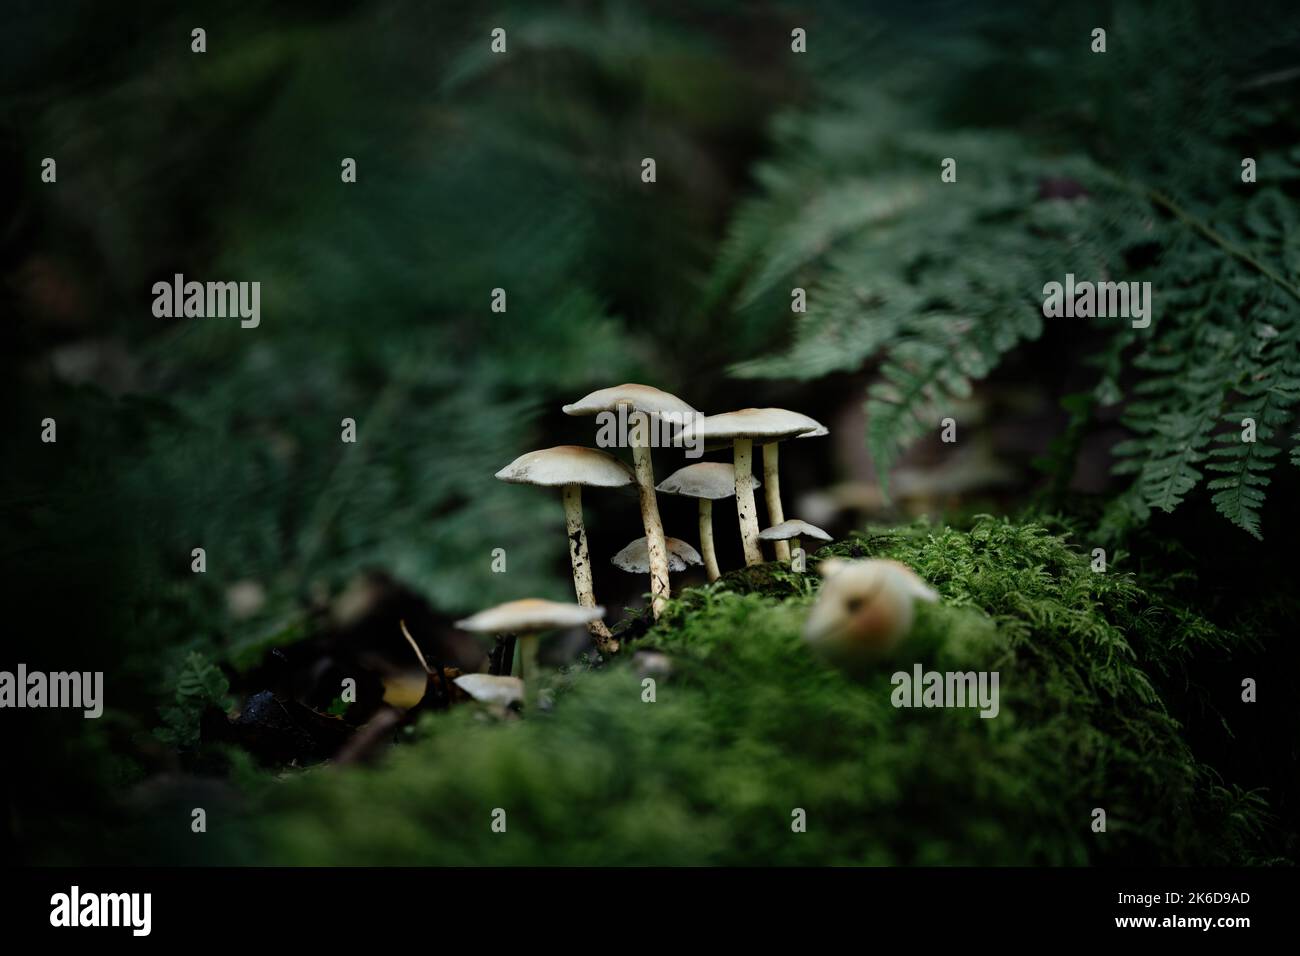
(745, 507)
(772, 492)
(797, 546)
(656, 548)
(581, 561)
(706, 540)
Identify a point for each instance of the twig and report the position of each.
(439, 669)
(415, 647)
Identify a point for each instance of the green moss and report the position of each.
(750, 726)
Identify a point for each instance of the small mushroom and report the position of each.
(570, 467)
(864, 609)
(648, 405)
(792, 531)
(707, 481)
(636, 556)
(742, 429)
(652, 664)
(771, 469)
(772, 480)
(527, 618)
(491, 688)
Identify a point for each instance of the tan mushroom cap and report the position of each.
(643, 398)
(761, 425)
(529, 614)
(793, 528)
(636, 556)
(568, 465)
(708, 479)
(871, 569)
(864, 608)
(492, 688)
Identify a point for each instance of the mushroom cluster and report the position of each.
(644, 408)
(647, 412)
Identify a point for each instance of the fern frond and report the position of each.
(929, 291)
(1267, 398)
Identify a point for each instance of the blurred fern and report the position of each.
(475, 172)
(1110, 171)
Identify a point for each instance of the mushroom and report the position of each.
(652, 664)
(793, 530)
(864, 609)
(491, 688)
(569, 467)
(648, 404)
(708, 481)
(526, 618)
(636, 556)
(742, 429)
(772, 480)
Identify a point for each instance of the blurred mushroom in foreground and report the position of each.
(652, 664)
(569, 467)
(708, 482)
(864, 609)
(526, 618)
(792, 531)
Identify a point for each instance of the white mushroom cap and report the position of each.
(652, 663)
(492, 688)
(529, 614)
(821, 431)
(636, 556)
(707, 479)
(643, 398)
(793, 528)
(568, 465)
(762, 425)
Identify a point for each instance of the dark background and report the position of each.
(176, 433)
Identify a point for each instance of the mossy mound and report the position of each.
(749, 726)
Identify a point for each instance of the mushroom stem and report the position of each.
(745, 509)
(795, 543)
(656, 549)
(581, 561)
(772, 493)
(706, 540)
(528, 666)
